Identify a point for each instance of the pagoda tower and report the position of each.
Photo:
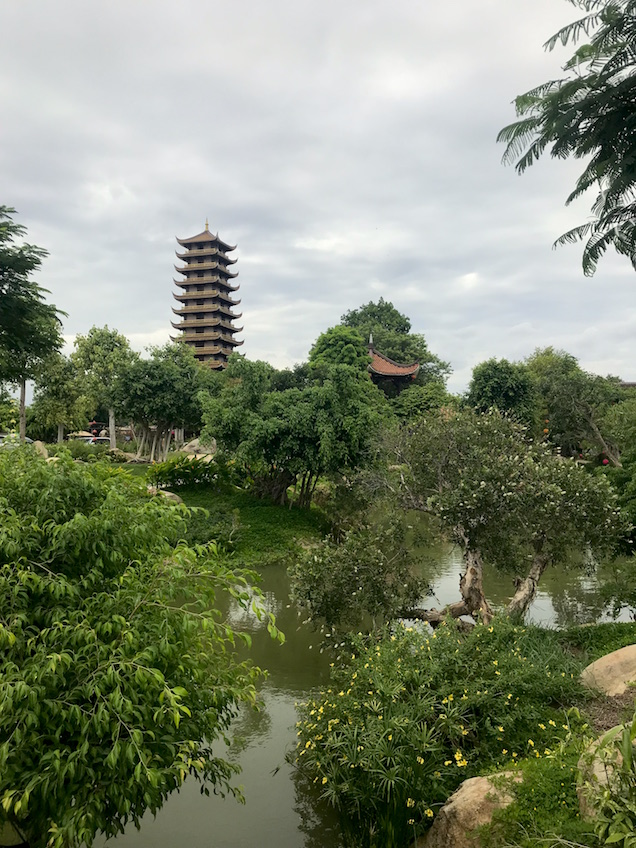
(205, 302)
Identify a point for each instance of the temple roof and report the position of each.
(206, 235)
(385, 367)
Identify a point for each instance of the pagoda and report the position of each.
(205, 302)
(389, 375)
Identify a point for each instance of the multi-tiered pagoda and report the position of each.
(207, 320)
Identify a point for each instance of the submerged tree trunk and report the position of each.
(473, 603)
(60, 433)
(527, 587)
(22, 411)
(111, 429)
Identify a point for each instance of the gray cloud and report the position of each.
(348, 149)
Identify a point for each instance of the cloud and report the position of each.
(347, 150)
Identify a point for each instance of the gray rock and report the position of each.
(613, 673)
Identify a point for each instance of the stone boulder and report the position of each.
(471, 806)
(613, 673)
(196, 449)
(169, 496)
(39, 447)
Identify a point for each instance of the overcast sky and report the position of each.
(347, 148)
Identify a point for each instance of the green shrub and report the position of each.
(78, 450)
(183, 471)
(407, 718)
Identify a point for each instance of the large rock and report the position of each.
(169, 496)
(197, 449)
(612, 673)
(467, 809)
(39, 446)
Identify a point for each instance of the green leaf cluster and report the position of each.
(118, 670)
(407, 717)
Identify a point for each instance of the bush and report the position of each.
(407, 718)
(78, 450)
(117, 669)
(183, 471)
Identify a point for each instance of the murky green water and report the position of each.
(277, 813)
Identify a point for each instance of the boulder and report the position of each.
(169, 496)
(613, 673)
(197, 449)
(471, 806)
(39, 446)
(205, 457)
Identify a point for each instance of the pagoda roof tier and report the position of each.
(210, 331)
(385, 367)
(194, 310)
(205, 251)
(208, 321)
(205, 266)
(206, 295)
(214, 308)
(201, 281)
(206, 236)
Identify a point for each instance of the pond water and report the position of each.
(278, 813)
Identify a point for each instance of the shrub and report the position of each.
(117, 669)
(78, 450)
(185, 471)
(408, 717)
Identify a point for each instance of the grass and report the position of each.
(258, 531)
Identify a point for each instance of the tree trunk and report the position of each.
(473, 601)
(154, 445)
(142, 442)
(111, 429)
(60, 433)
(22, 411)
(611, 455)
(168, 438)
(527, 588)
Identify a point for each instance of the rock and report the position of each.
(52, 458)
(39, 447)
(596, 770)
(206, 457)
(197, 449)
(170, 496)
(612, 673)
(471, 806)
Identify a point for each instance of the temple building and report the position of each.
(205, 302)
(388, 375)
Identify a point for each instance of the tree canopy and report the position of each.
(118, 670)
(30, 328)
(505, 386)
(292, 436)
(589, 114)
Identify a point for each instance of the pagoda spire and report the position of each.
(207, 226)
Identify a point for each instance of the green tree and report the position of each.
(102, 357)
(506, 386)
(161, 393)
(9, 413)
(418, 400)
(507, 501)
(291, 437)
(392, 336)
(340, 346)
(118, 671)
(589, 114)
(574, 403)
(29, 327)
(57, 399)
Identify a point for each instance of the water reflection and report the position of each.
(282, 810)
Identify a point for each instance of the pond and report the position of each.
(278, 812)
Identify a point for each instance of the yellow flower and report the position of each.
(410, 802)
(531, 743)
(420, 760)
(552, 723)
(411, 821)
(542, 726)
(429, 813)
(505, 751)
(500, 729)
(324, 780)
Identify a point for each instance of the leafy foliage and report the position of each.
(589, 114)
(293, 436)
(118, 671)
(509, 498)
(183, 471)
(505, 386)
(367, 578)
(408, 717)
